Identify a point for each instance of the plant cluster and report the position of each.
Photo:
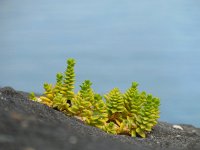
(131, 113)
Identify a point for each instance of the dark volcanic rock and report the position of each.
(28, 125)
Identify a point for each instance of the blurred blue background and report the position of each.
(115, 42)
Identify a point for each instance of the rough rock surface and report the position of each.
(28, 125)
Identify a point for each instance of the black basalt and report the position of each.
(28, 125)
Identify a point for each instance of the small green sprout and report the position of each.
(131, 113)
(32, 96)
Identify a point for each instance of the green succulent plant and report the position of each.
(142, 108)
(88, 106)
(48, 96)
(115, 105)
(100, 115)
(54, 96)
(82, 102)
(148, 115)
(32, 96)
(60, 103)
(69, 80)
(132, 113)
(59, 83)
(110, 127)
